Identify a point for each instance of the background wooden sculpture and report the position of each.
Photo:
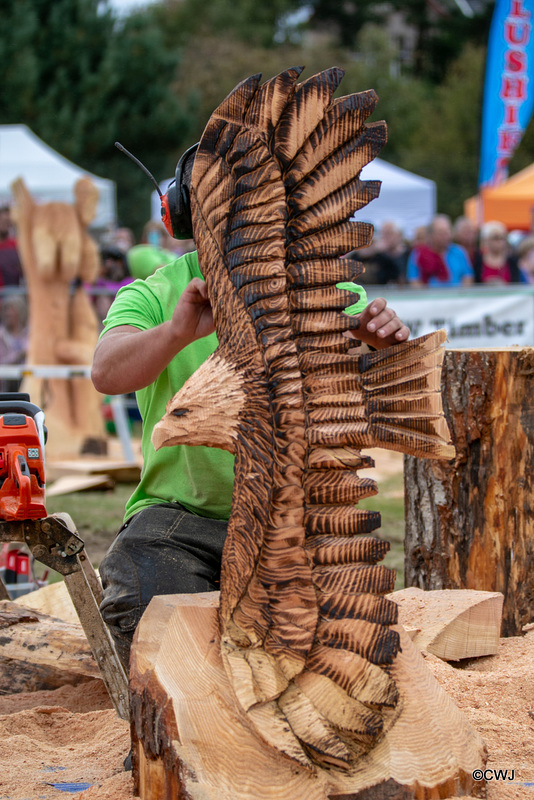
(310, 644)
(55, 250)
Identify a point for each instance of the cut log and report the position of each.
(451, 623)
(470, 521)
(83, 591)
(41, 652)
(53, 600)
(190, 740)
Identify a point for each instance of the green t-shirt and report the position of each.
(199, 478)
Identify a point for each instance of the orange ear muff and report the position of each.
(166, 214)
(175, 205)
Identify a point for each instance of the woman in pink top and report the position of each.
(495, 262)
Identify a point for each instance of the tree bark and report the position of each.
(190, 740)
(469, 521)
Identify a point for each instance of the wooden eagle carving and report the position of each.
(307, 635)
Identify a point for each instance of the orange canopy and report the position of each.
(511, 203)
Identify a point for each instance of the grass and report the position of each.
(390, 503)
(98, 517)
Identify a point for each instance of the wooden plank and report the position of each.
(79, 483)
(53, 600)
(119, 471)
(451, 623)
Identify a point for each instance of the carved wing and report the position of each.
(307, 635)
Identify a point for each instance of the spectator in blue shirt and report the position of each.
(439, 262)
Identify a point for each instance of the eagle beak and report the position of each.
(165, 435)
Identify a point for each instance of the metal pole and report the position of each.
(121, 425)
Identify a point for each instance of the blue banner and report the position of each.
(508, 87)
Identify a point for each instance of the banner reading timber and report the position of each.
(508, 87)
(474, 316)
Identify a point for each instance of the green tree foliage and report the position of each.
(454, 32)
(401, 98)
(81, 80)
(246, 21)
(345, 18)
(446, 141)
(426, 122)
(441, 28)
(212, 66)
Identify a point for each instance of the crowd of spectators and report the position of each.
(440, 254)
(447, 254)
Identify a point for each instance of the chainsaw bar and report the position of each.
(54, 542)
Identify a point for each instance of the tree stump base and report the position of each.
(469, 522)
(191, 741)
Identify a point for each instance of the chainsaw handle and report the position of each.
(21, 474)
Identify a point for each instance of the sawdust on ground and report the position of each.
(73, 736)
(68, 737)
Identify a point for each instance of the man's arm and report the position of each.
(127, 359)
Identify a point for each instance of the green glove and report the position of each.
(362, 302)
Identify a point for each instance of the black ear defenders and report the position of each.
(176, 204)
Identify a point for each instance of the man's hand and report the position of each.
(379, 326)
(192, 318)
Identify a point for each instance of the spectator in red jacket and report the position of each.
(10, 267)
(439, 262)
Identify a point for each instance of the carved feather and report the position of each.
(306, 633)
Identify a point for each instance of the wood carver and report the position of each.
(56, 250)
(320, 670)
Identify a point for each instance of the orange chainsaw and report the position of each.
(22, 474)
(51, 539)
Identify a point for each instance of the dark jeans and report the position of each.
(161, 550)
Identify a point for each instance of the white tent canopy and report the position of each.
(49, 176)
(405, 198)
